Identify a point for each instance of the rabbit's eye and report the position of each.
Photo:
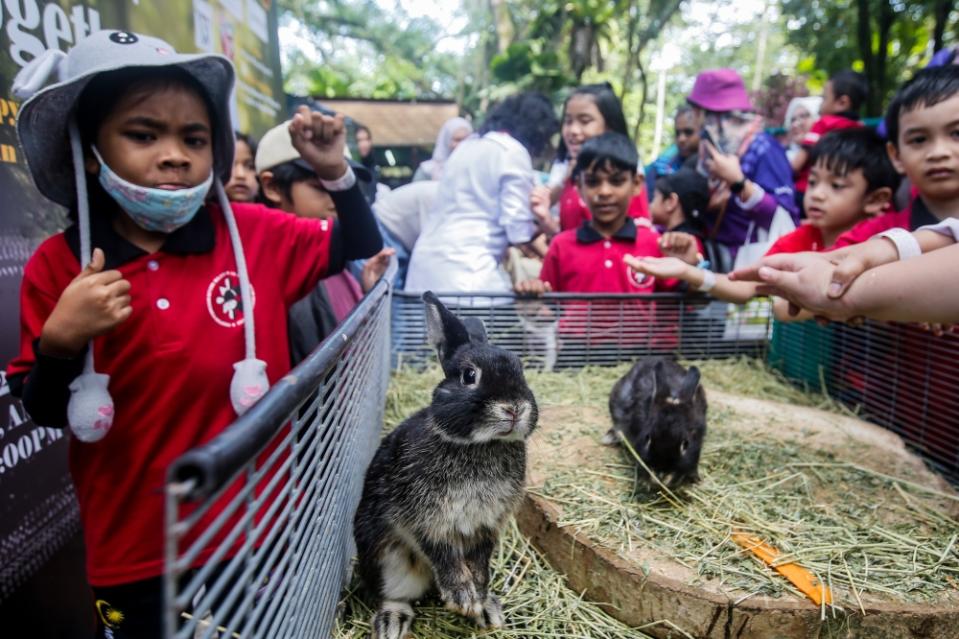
(469, 376)
(683, 447)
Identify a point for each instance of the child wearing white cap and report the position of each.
(145, 346)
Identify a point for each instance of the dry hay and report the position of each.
(867, 524)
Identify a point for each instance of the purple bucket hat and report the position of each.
(720, 90)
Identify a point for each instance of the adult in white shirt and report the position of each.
(483, 204)
(401, 214)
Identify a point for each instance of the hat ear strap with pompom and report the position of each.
(249, 381)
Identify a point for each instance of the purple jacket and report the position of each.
(764, 164)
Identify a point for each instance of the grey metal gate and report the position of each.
(259, 520)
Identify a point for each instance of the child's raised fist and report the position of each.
(321, 141)
(92, 304)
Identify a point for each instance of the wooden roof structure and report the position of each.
(396, 122)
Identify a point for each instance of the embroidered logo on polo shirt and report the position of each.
(223, 299)
(110, 616)
(639, 280)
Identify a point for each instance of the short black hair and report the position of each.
(692, 189)
(528, 117)
(927, 88)
(607, 104)
(862, 148)
(287, 174)
(607, 150)
(853, 85)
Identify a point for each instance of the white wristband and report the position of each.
(343, 183)
(906, 243)
(709, 281)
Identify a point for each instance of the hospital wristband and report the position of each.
(906, 245)
(709, 281)
(342, 183)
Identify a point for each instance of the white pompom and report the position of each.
(249, 384)
(90, 410)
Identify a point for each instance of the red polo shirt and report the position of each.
(914, 217)
(573, 210)
(583, 261)
(171, 362)
(805, 238)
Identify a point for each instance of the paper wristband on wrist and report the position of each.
(709, 281)
(343, 183)
(906, 244)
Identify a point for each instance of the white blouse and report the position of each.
(482, 207)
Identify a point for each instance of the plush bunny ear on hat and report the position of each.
(33, 77)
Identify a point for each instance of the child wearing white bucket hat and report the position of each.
(145, 346)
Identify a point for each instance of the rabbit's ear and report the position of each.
(687, 389)
(445, 331)
(476, 329)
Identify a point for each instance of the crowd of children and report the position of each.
(151, 295)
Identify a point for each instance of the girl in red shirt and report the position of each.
(591, 110)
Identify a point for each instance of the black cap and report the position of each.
(690, 187)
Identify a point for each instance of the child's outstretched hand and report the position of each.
(680, 245)
(539, 203)
(533, 287)
(92, 304)
(661, 267)
(321, 141)
(374, 268)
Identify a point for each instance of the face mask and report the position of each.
(153, 209)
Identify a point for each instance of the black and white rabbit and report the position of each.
(659, 407)
(443, 484)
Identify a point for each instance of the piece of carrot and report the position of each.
(804, 580)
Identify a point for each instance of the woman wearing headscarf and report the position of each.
(800, 114)
(453, 131)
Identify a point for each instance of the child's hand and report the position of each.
(680, 245)
(374, 268)
(533, 287)
(539, 204)
(661, 267)
(321, 141)
(92, 304)
(854, 261)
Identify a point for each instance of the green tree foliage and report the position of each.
(884, 39)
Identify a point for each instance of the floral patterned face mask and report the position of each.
(153, 209)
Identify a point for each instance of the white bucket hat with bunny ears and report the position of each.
(47, 128)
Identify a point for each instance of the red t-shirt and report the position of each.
(805, 238)
(573, 210)
(821, 127)
(171, 362)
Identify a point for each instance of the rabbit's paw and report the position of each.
(464, 600)
(392, 621)
(492, 616)
(612, 437)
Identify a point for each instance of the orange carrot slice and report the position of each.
(805, 581)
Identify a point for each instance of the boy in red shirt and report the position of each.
(850, 178)
(135, 346)
(842, 98)
(590, 259)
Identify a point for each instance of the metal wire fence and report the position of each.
(561, 330)
(259, 520)
(896, 375)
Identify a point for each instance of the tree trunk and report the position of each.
(643, 94)
(942, 9)
(505, 31)
(877, 93)
(864, 39)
